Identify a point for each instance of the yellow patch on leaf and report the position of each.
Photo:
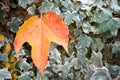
(7, 48)
(2, 37)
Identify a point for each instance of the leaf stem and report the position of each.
(41, 9)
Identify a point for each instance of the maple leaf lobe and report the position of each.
(58, 27)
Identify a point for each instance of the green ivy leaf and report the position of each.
(105, 22)
(65, 70)
(66, 67)
(67, 4)
(13, 25)
(96, 59)
(98, 3)
(1, 43)
(101, 74)
(97, 44)
(39, 76)
(55, 55)
(24, 76)
(23, 65)
(87, 1)
(24, 52)
(116, 47)
(24, 3)
(87, 28)
(5, 74)
(110, 25)
(31, 10)
(57, 1)
(3, 57)
(70, 12)
(75, 63)
(47, 6)
(70, 16)
(3, 16)
(114, 70)
(63, 76)
(100, 18)
(84, 42)
(114, 6)
(56, 10)
(82, 60)
(117, 78)
(57, 68)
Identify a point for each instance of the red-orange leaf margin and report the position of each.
(39, 33)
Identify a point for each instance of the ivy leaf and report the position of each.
(47, 6)
(68, 17)
(98, 3)
(31, 10)
(105, 22)
(114, 70)
(67, 4)
(111, 24)
(116, 48)
(70, 13)
(23, 65)
(117, 78)
(114, 5)
(3, 57)
(57, 68)
(87, 28)
(96, 59)
(97, 44)
(24, 76)
(1, 44)
(39, 32)
(55, 54)
(101, 74)
(5, 74)
(75, 63)
(66, 67)
(13, 25)
(65, 70)
(24, 3)
(100, 18)
(56, 10)
(84, 42)
(3, 16)
(87, 1)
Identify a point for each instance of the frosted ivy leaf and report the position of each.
(5, 74)
(87, 28)
(24, 3)
(114, 5)
(25, 76)
(84, 42)
(101, 74)
(105, 22)
(3, 57)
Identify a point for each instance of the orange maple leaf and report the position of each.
(39, 33)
